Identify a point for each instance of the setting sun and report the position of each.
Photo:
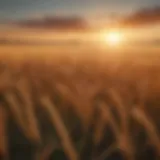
(114, 38)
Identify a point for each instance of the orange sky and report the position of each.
(138, 27)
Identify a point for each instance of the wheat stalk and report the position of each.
(29, 110)
(3, 132)
(60, 128)
(139, 115)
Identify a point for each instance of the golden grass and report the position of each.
(126, 97)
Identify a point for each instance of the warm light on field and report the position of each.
(114, 38)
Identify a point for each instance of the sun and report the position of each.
(113, 38)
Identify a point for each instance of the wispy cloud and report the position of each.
(55, 23)
(146, 16)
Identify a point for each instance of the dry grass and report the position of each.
(103, 100)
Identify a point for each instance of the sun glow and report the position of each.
(113, 38)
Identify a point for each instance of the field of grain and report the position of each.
(88, 106)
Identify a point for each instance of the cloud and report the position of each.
(54, 22)
(146, 16)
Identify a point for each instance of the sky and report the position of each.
(25, 18)
(19, 9)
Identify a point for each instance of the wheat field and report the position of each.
(79, 109)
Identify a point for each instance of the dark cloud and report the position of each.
(55, 23)
(146, 16)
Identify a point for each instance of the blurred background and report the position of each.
(79, 79)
